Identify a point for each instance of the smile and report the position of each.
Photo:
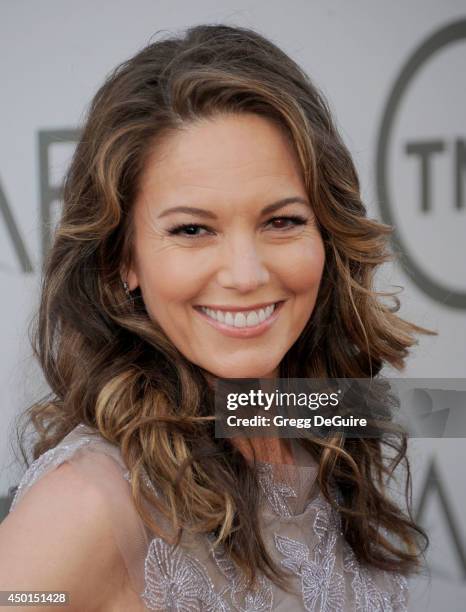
(241, 323)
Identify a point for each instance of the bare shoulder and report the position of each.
(59, 538)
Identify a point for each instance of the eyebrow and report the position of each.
(210, 215)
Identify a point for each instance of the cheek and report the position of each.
(172, 280)
(303, 266)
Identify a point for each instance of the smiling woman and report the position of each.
(212, 228)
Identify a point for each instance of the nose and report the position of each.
(241, 265)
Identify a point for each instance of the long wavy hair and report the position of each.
(110, 366)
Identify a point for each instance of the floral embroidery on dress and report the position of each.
(322, 586)
(369, 597)
(400, 593)
(243, 599)
(146, 480)
(274, 491)
(176, 581)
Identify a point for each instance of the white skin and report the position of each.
(231, 166)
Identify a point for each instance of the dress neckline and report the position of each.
(288, 488)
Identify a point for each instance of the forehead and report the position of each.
(232, 156)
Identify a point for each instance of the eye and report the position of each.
(284, 223)
(194, 230)
(187, 229)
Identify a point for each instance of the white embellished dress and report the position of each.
(300, 530)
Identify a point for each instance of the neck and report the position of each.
(270, 450)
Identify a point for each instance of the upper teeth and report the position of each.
(246, 318)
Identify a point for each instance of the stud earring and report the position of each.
(126, 288)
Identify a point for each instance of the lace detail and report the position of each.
(48, 460)
(147, 481)
(322, 586)
(400, 594)
(275, 492)
(243, 599)
(369, 597)
(177, 581)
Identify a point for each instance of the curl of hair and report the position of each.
(109, 366)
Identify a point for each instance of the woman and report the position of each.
(212, 228)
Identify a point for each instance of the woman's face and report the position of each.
(226, 250)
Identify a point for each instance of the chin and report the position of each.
(243, 371)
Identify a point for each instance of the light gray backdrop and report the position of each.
(394, 73)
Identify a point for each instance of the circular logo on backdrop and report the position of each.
(421, 165)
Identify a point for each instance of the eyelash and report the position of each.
(296, 219)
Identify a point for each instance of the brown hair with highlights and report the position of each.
(109, 366)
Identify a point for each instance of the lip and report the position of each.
(242, 332)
